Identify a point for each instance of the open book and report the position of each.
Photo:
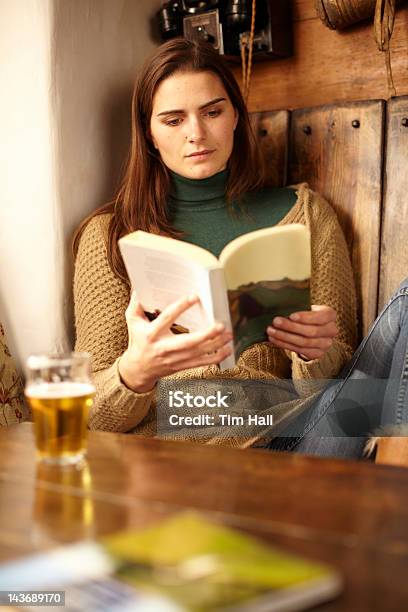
(184, 563)
(257, 276)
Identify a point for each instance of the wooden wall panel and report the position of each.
(329, 66)
(394, 239)
(303, 9)
(272, 132)
(344, 163)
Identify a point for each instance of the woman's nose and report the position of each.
(195, 131)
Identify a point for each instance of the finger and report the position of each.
(308, 353)
(327, 330)
(135, 309)
(316, 316)
(171, 313)
(212, 346)
(206, 347)
(300, 341)
(205, 360)
(196, 339)
(180, 352)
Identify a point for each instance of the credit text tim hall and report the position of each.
(179, 399)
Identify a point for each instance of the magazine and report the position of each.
(184, 563)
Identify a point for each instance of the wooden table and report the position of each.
(353, 515)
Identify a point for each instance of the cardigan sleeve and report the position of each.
(100, 301)
(332, 284)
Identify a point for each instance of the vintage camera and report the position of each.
(225, 23)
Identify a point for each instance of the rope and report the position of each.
(247, 45)
(383, 27)
(243, 62)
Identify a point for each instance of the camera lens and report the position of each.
(170, 20)
(199, 6)
(237, 19)
(238, 14)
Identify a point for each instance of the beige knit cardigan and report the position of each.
(101, 300)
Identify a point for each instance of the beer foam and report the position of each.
(59, 390)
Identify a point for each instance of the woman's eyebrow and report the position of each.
(179, 112)
(211, 102)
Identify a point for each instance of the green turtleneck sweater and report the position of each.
(200, 210)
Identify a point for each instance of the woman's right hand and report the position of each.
(154, 351)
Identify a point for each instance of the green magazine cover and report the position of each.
(184, 563)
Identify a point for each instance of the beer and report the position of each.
(63, 517)
(60, 412)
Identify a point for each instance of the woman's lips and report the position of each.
(199, 155)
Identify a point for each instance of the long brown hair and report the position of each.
(141, 202)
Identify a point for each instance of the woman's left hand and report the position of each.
(309, 333)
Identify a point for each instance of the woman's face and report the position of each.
(192, 124)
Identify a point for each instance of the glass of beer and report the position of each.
(60, 392)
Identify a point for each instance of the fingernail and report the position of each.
(193, 298)
(219, 327)
(294, 317)
(277, 321)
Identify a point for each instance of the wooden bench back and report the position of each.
(356, 155)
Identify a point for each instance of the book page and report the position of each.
(160, 279)
(267, 274)
(163, 270)
(221, 310)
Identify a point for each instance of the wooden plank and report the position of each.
(394, 243)
(303, 9)
(344, 163)
(272, 132)
(130, 470)
(329, 66)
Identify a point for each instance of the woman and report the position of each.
(194, 172)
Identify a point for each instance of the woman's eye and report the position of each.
(175, 121)
(213, 113)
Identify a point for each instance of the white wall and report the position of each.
(30, 219)
(68, 68)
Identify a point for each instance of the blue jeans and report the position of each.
(371, 392)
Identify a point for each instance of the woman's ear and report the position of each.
(236, 118)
